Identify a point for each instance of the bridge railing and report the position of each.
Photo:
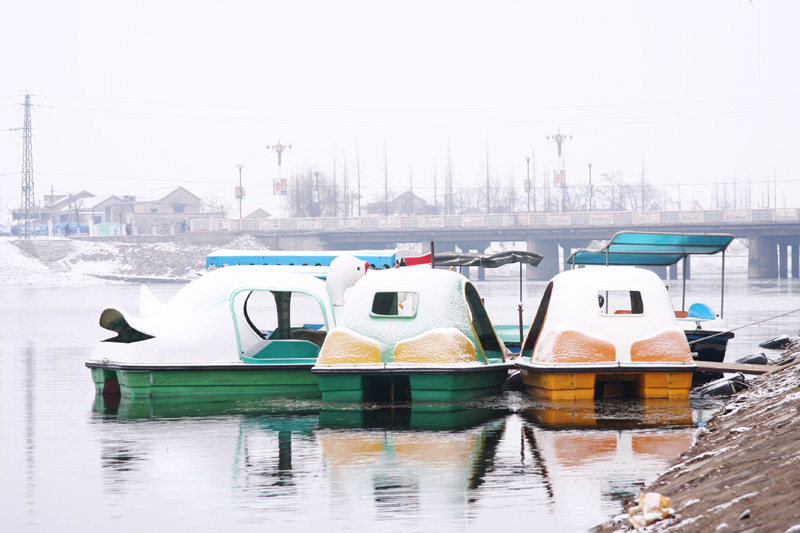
(512, 220)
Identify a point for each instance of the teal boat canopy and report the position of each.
(651, 249)
(639, 248)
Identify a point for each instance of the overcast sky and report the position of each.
(139, 97)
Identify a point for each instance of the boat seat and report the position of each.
(699, 310)
(681, 314)
(315, 336)
(273, 350)
(622, 312)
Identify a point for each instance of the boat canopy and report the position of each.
(464, 259)
(633, 248)
(485, 260)
(639, 248)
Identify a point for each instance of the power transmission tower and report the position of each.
(26, 207)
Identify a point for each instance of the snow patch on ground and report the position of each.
(92, 261)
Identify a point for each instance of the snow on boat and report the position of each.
(707, 333)
(416, 334)
(510, 334)
(237, 330)
(606, 332)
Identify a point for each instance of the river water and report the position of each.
(70, 461)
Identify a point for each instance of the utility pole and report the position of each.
(26, 207)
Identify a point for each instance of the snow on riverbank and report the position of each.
(20, 268)
(88, 261)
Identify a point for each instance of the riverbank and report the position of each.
(84, 261)
(743, 471)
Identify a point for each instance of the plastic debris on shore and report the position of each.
(776, 343)
(652, 507)
(759, 358)
(726, 386)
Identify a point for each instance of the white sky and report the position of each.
(139, 97)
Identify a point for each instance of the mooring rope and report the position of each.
(746, 325)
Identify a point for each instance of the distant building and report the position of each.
(167, 215)
(258, 213)
(406, 203)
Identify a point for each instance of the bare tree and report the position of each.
(313, 194)
(216, 205)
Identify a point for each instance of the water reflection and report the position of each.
(30, 429)
(598, 453)
(417, 464)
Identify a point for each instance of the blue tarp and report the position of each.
(651, 249)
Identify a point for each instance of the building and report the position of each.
(406, 203)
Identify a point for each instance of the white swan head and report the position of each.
(343, 272)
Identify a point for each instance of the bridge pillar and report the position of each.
(548, 249)
(783, 261)
(673, 271)
(762, 260)
(795, 259)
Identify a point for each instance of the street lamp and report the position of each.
(591, 191)
(560, 138)
(279, 149)
(528, 183)
(240, 192)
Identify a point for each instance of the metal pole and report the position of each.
(591, 191)
(683, 300)
(722, 297)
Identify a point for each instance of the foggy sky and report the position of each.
(139, 97)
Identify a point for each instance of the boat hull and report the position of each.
(426, 384)
(577, 383)
(709, 349)
(139, 381)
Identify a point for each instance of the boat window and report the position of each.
(538, 321)
(395, 304)
(280, 315)
(480, 320)
(620, 302)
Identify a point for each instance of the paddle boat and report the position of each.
(605, 333)
(510, 334)
(413, 333)
(707, 332)
(240, 330)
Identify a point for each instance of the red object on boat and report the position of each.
(419, 260)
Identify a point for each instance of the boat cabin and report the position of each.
(606, 332)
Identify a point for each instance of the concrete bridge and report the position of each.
(773, 235)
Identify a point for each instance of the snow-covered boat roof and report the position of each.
(616, 307)
(200, 323)
(392, 305)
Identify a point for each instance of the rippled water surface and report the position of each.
(70, 461)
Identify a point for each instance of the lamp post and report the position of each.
(560, 138)
(279, 149)
(591, 191)
(528, 183)
(241, 193)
